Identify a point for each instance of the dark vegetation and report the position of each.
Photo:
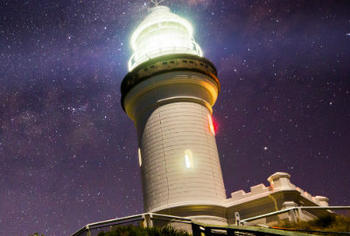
(329, 223)
(139, 231)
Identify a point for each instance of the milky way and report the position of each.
(69, 153)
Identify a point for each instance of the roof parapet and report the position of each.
(281, 181)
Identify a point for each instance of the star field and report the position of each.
(68, 152)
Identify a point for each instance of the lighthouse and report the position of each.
(169, 93)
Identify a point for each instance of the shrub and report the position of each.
(331, 223)
(139, 231)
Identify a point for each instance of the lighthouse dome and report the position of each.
(162, 33)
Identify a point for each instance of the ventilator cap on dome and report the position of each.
(162, 33)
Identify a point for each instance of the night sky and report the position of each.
(68, 152)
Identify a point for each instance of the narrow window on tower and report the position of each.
(140, 158)
(188, 159)
(211, 124)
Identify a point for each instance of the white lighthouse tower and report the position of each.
(169, 93)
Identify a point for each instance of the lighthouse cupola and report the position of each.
(162, 33)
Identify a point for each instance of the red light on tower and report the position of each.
(211, 124)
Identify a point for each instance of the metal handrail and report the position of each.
(108, 222)
(186, 220)
(133, 218)
(208, 230)
(295, 208)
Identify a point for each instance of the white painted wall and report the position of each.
(180, 157)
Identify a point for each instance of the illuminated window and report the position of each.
(211, 124)
(188, 159)
(140, 158)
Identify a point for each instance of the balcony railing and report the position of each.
(137, 59)
(198, 229)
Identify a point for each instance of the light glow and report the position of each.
(140, 157)
(188, 159)
(211, 125)
(162, 33)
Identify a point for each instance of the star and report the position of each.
(69, 153)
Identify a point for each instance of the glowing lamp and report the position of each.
(162, 33)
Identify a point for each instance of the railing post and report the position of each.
(300, 214)
(143, 223)
(88, 231)
(291, 215)
(237, 218)
(148, 220)
(151, 220)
